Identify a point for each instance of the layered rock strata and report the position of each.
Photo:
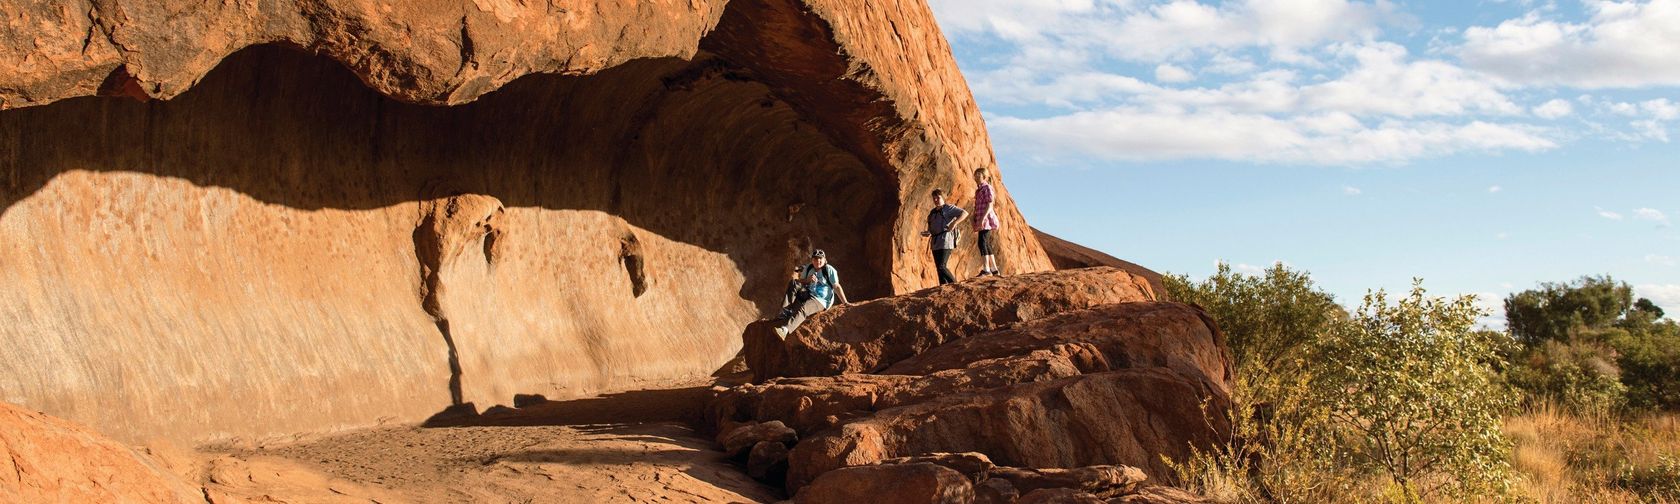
(286, 216)
(1083, 369)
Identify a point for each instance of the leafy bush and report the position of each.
(1579, 376)
(1267, 319)
(1325, 402)
(1412, 387)
(1551, 312)
(1579, 336)
(1661, 481)
(1650, 367)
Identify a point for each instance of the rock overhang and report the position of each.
(612, 192)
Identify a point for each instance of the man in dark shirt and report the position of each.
(941, 234)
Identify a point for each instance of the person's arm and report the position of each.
(983, 202)
(839, 292)
(962, 216)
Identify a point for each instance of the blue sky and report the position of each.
(1482, 146)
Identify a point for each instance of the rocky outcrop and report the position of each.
(51, 460)
(915, 483)
(1082, 369)
(252, 218)
(869, 336)
(1066, 255)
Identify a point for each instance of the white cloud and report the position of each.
(1608, 214)
(1651, 214)
(1351, 191)
(1554, 109)
(1662, 260)
(1385, 81)
(1182, 27)
(1494, 189)
(1171, 73)
(1136, 133)
(1667, 296)
(1623, 44)
(1492, 306)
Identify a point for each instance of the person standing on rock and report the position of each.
(941, 232)
(985, 221)
(815, 290)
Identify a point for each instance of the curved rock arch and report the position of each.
(273, 242)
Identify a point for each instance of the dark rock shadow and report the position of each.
(680, 406)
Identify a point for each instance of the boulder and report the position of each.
(742, 438)
(1068, 255)
(768, 461)
(974, 466)
(995, 491)
(1129, 416)
(1101, 481)
(1161, 495)
(1059, 496)
(918, 483)
(53, 460)
(868, 337)
(1128, 335)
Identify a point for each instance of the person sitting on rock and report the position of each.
(815, 290)
(941, 223)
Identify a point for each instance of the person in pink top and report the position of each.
(986, 221)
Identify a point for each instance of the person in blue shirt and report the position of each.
(816, 290)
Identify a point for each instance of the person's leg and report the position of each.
(940, 257)
(984, 243)
(991, 264)
(792, 295)
(810, 307)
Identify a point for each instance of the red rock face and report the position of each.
(51, 460)
(870, 336)
(440, 203)
(1065, 369)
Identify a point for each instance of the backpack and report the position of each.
(950, 227)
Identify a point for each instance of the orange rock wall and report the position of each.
(279, 241)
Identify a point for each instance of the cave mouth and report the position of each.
(260, 233)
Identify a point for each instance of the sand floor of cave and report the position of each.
(632, 446)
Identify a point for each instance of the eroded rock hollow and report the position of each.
(292, 216)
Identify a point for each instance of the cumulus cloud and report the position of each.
(1180, 27)
(1172, 73)
(1386, 81)
(1135, 133)
(1492, 306)
(1554, 109)
(1651, 214)
(1607, 214)
(1351, 191)
(1622, 44)
(1665, 295)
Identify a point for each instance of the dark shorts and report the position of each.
(987, 245)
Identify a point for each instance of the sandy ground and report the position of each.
(627, 447)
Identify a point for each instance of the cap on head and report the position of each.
(819, 253)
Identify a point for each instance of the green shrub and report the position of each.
(1580, 376)
(1650, 367)
(1660, 482)
(1416, 393)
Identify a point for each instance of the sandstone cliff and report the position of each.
(308, 214)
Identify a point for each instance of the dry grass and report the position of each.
(1562, 457)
